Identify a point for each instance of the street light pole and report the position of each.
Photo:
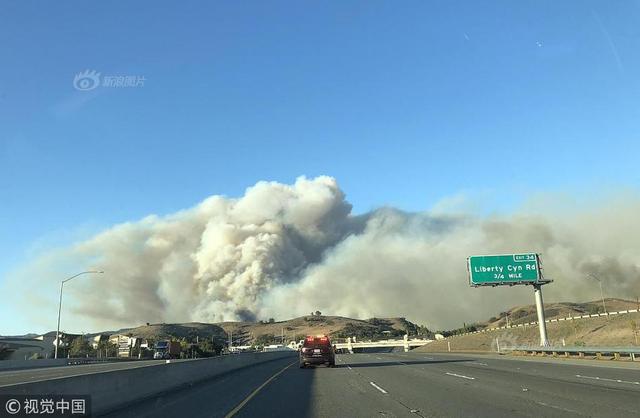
(57, 340)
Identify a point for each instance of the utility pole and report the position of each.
(594, 277)
(604, 305)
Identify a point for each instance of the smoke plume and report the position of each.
(286, 250)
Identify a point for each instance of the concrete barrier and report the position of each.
(41, 363)
(31, 364)
(113, 389)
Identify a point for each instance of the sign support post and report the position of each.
(510, 270)
(542, 325)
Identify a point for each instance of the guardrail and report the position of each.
(617, 353)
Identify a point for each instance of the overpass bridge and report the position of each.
(406, 343)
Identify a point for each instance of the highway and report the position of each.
(409, 385)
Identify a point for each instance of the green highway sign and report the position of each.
(504, 269)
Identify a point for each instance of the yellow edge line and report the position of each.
(255, 392)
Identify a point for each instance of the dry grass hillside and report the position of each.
(336, 326)
(187, 330)
(527, 313)
(267, 332)
(616, 330)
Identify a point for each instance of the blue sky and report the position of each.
(403, 104)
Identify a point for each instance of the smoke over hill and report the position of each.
(285, 250)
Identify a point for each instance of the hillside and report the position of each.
(245, 333)
(336, 326)
(527, 313)
(165, 331)
(616, 330)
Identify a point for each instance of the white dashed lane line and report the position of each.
(378, 387)
(460, 375)
(607, 380)
(558, 407)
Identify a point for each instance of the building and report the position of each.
(95, 341)
(128, 344)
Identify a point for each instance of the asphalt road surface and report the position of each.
(409, 385)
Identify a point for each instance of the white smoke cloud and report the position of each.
(286, 250)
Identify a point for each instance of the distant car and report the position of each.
(317, 350)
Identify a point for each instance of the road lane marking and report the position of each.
(378, 387)
(255, 392)
(428, 358)
(557, 407)
(478, 363)
(461, 375)
(379, 358)
(607, 380)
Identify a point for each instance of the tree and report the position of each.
(594, 310)
(265, 339)
(80, 348)
(107, 349)
(318, 313)
(271, 320)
